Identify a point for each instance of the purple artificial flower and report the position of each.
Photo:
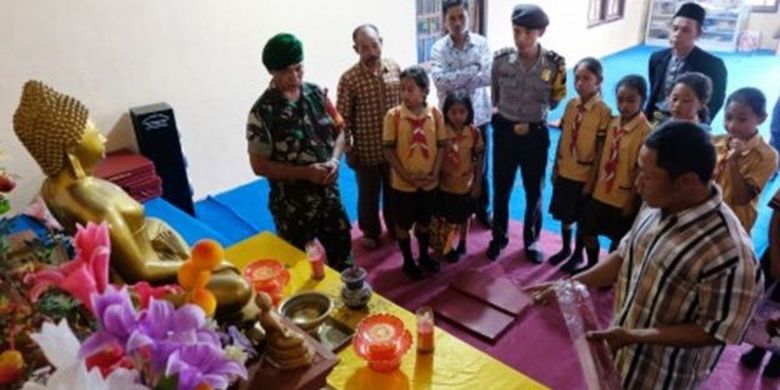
(117, 318)
(240, 340)
(162, 330)
(203, 363)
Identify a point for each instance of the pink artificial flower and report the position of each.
(83, 276)
(145, 292)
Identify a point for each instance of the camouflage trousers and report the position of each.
(311, 212)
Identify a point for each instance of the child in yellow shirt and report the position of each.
(414, 139)
(745, 160)
(583, 128)
(461, 172)
(614, 202)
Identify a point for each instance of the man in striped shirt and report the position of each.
(686, 279)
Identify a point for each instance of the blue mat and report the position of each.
(243, 211)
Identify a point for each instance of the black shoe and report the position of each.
(412, 270)
(452, 256)
(430, 264)
(494, 248)
(461, 248)
(752, 359)
(485, 219)
(559, 257)
(772, 369)
(534, 255)
(570, 267)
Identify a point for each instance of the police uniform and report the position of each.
(301, 133)
(521, 138)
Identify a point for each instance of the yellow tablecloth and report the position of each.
(453, 365)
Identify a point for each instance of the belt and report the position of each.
(522, 128)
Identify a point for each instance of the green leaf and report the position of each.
(168, 383)
(5, 205)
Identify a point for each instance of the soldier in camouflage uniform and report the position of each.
(527, 81)
(295, 142)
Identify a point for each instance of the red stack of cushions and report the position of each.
(133, 172)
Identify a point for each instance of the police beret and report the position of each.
(529, 16)
(692, 11)
(281, 51)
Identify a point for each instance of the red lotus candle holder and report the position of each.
(269, 276)
(382, 340)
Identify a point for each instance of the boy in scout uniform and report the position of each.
(527, 81)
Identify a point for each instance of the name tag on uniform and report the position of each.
(521, 128)
(546, 74)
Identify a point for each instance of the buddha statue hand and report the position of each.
(166, 241)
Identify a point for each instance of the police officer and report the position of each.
(527, 81)
(295, 142)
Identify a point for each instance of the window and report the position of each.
(430, 24)
(763, 5)
(603, 11)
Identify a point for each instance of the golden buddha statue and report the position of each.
(56, 130)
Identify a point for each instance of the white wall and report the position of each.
(568, 32)
(203, 58)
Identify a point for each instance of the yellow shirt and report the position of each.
(457, 169)
(576, 163)
(414, 146)
(628, 152)
(756, 165)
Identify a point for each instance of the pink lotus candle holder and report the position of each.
(269, 276)
(382, 340)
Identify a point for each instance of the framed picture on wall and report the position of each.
(430, 24)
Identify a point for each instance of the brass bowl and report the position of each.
(307, 309)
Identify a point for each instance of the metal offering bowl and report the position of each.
(307, 309)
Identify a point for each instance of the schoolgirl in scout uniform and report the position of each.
(527, 81)
(460, 182)
(745, 160)
(414, 140)
(584, 126)
(614, 202)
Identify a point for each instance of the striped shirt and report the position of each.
(693, 267)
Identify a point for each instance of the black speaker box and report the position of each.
(158, 140)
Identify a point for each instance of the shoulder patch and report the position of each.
(555, 58)
(504, 51)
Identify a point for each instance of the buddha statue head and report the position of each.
(56, 130)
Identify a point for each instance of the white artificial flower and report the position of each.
(61, 348)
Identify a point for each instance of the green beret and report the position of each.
(529, 16)
(282, 51)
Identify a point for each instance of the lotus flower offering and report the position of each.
(382, 340)
(268, 276)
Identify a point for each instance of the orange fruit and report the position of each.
(11, 366)
(207, 254)
(205, 299)
(190, 277)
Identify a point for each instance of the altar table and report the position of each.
(453, 365)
